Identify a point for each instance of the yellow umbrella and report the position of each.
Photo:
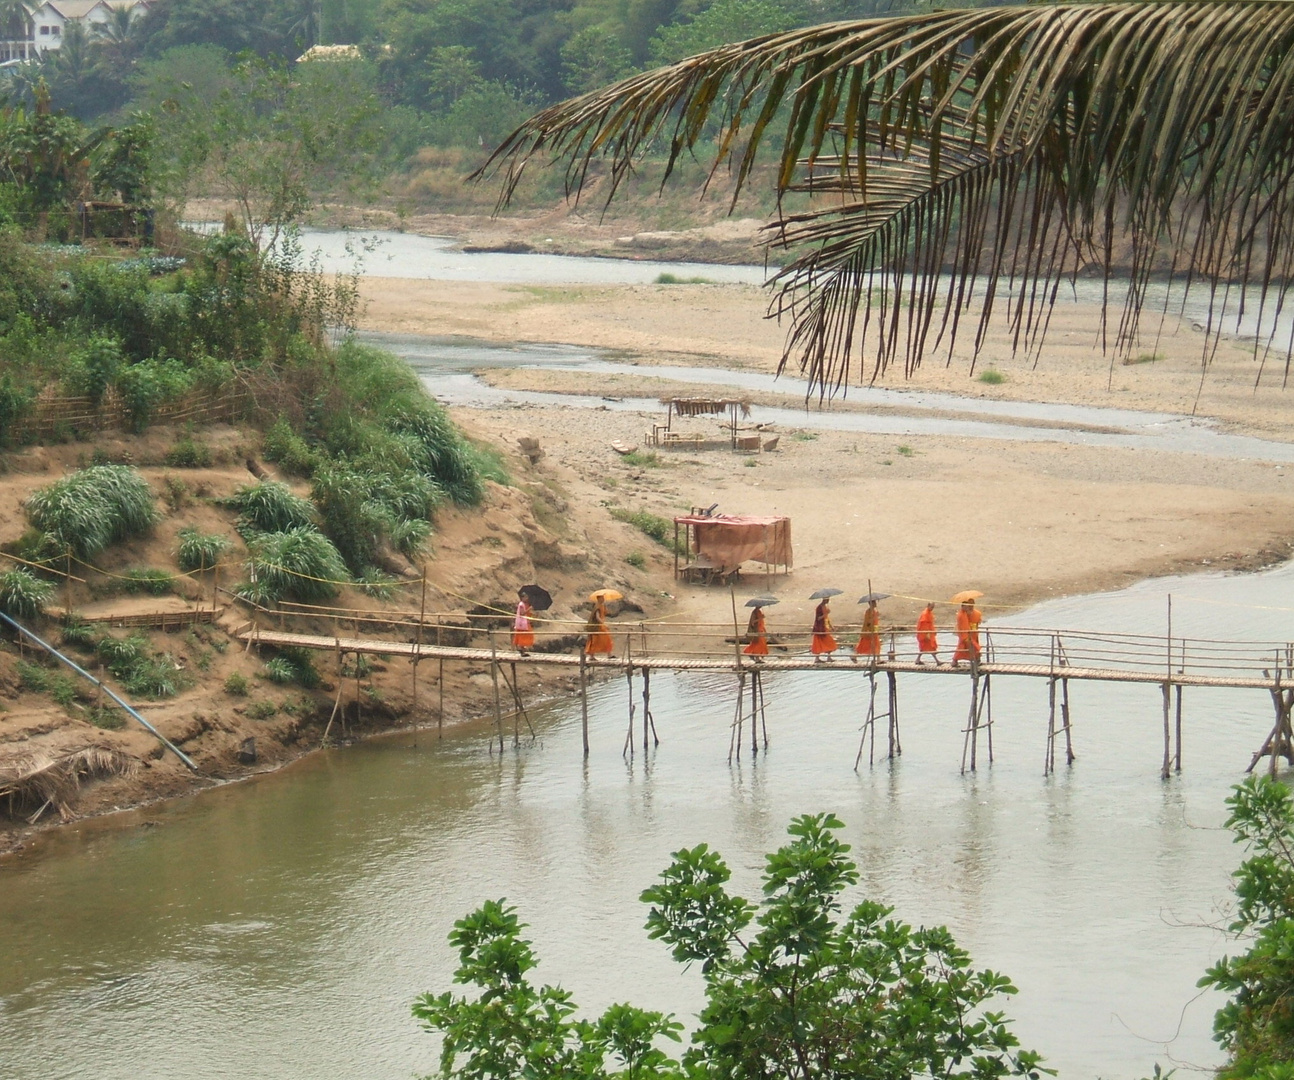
(606, 595)
(965, 595)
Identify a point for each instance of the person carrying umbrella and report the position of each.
(969, 618)
(757, 627)
(523, 634)
(869, 641)
(824, 644)
(927, 638)
(597, 641)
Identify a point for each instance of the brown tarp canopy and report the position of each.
(730, 539)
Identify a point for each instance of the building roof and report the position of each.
(79, 9)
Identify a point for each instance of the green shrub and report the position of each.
(262, 710)
(674, 279)
(236, 685)
(647, 460)
(142, 671)
(992, 377)
(93, 367)
(147, 580)
(637, 560)
(289, 450)
(78, 633)
(375, 583)
(652, 525)
(108, 717)
(187, 454)
(270, 507)
(293, 665)
(279, 669)
(33, 677)
(22, 594)
(299, 562)
(150, 383)
(199, 550)
(91, 508)
(15, 402)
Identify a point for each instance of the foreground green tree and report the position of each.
(965, 160)
(793, 989)
(1256, 1026)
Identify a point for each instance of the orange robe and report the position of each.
(967, 634)
(523, 634)
(927, 639)
(869, 642)
(599, 640)
(823, 642)
(755, 630)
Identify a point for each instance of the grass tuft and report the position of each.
(22, 594)
(992, 377)
(91, 508)
(200, 551)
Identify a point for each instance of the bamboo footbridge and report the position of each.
(1057, 656)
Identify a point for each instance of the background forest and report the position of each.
(434, 73)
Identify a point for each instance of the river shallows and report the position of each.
(280, 928)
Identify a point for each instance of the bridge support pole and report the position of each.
(763, 713)
(584, 699)
(868, 737)
(628, 747)
(1167, 770)
(896, 745)
(1281, 740)
(1177, 758)
(649, 721)
(498, 706)
(738, 718)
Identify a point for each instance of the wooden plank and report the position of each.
(793, 663)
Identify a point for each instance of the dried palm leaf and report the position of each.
(45, 780)
(962, 160)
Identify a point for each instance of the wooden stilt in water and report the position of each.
(516, 714)
(1065, 722)
(440, 712)
(734, 737)
(649, 722)
(754, 714)
(1177, 757)
(970, 737)
(584, 699)
(986, 710)
(629, 674)
(896, 744)
(498, 708)
(1049, 754)
(763, 711)
(868, 736)
(514, 685)
(1167, 768)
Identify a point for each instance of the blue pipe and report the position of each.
(103, 686)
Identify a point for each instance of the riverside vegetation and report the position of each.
(808, 995)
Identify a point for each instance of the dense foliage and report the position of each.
(1256, 1026)
(91, 508)
(803, 993)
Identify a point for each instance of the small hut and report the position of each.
(664, 435)
(716, 545)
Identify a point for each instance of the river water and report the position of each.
(279, 928)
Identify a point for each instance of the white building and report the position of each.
(46, 24)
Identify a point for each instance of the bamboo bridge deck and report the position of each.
(1057, 656)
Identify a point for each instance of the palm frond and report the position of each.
(964, 159)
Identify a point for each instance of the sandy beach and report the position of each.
(920, 517)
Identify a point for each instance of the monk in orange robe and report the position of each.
(968, 620)
(869, 641)
(523, 634)
(598, 640)
(927, 639)
(823, 643)
(757, 632)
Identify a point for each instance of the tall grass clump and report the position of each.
(199, 550)
(143, 672)
(298, 562)
(652, 525)
(22, 594)
(270, 507)
(361, 509)
(90, 509)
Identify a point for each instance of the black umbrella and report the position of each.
(537, 598)
(826, 594)
(878, 596)
(762, 601)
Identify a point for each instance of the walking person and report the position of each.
(523, 633)
(598, 640)
(756, 633)
(927, 638)
(968, 619)
(869, 641)
(824, 644)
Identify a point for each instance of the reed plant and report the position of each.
(143, 671)
(299, 562)
(200, 551)
(22, 594)
(270, 507)
(92, 508)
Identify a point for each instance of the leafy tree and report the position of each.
(592, 58)
(722, 22)
(1010, 144)
(792, 989)
(1256, 1026)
